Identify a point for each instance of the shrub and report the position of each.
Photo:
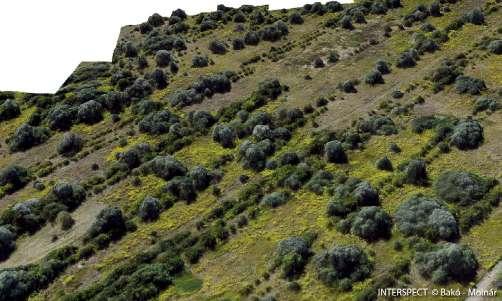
(69, 195)
(90, 112)
(269, 88)
(252, 38)
(378, 125)
(7, 243)
(27, 136)
(334, 152)
(274, 32)
(167, 167)
(485, 103)
(159, 78)
(129, 49)
(422, 216)
(162, 58)
(224, 135)
(495, 46)
(254, 155)
(460, 187)
(384, 163)
(292, 255)
(475, 16)
(318, 62)
(435, 9)
(467, 134)
(13, 178)
(341, 264)
(296, 18)
(394, 148)
(382, 67)
(333, 57)
(262, 132)
(155, 20)
(182, 188)
(157, 122)
(348, 86)
(444, 75)
(9, 109)
(179, 13)
(217, 47)
(70, 144)
(352, 194)
(371, 223)
(109, 221)
(448, 262)
(466, 84)
(422, 123)
(346, 22)
(201, 177)
(61, 117)
(239, 17)
(374, 77)
(208, 24)
(136, 155)
(199, 61)
(275, 199)
(65, 220)
(415, 172)
(201, 120)
(407, 59)
(333, 6)
(238, 44)
(149, 210)
(319, 180)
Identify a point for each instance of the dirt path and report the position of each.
(487, 282)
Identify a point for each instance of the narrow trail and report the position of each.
(487, 282)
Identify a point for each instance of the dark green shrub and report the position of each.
(201, 177)
(90, 112)
(13, 178)
(319, 181)
(394, 148)
(61, 117)
(374, 77)
(382, 67)
(65, 220)
(448, 262)
(435, 9)
(200, 61)
(252, 38)
(159, 78)
(334, 152)
(425, 217)
(136, 155)
(275, 199)
(371, 223)
(70, 144)
(155, 20)
(407, 59)
(69, 195)
(7, 242)
(495, 46)
(341, 264)
(27, 136)
(467, 134)
(422, 123)
(415, 172)
(167, 167)
(485, 103)
(217, 47)
(333, 57)
(157, 123)
(224, 135)
(182, 188)
(9, 109)
(162, 58)
(318, 63)
(150, 208)
(274, 32)
(471, 85)
(346, 22)
(238, 44)
(460, 187)
(475, 16)
(110, 222)
(201, 120)
(295, 18)
(350, 195)
(384, 163)
(239, 17)
(378, 125)
(292, 255)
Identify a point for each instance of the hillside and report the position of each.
(316, 153)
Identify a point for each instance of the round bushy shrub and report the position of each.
(350, 195)
(162, 58)
(149, 209)
(61, 117)
(167, 167)
(136, 155)
(374, 77)
(346, 22)
(292, 254)
(467, 134)
(201, 177)
(333, 57)
(296, 18)
(200, 61)
(65, 220)
(201, 120)
(7, 242)
(9, 109)
(182, 188)
(495, 46)
(70, 144)
(155, 20)
(13, 178)
(371, 223)
(261, 132)
(27, 136)
(382, 67)
(348, 86)
(475, 16)
(318, 63)
(217, 47)
(159, 78)
(448, 262)
(461, 187)
(485, 103)
(378, 125)
(70, 195)
(471, 85)
(422, 216)
(252, 38)
(435, 9)
(179, 13)
(415, 172)
(407, 59)
(109, 221)
(157, 122)
(90, 112)
(334, 152)
(238, 44)
(224, 135)
(341, 264)
(275, 199)
(384, 163)
(319, 180)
